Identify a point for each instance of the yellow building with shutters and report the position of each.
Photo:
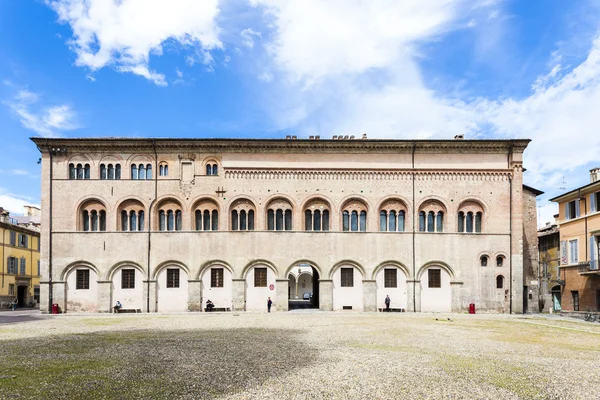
(19, 261)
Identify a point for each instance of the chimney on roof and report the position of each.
(311, 137)
(594, 175)
(294, 137)
(317, 137)
(346, 137)
(459, 137)
(288, 137)
(334, 137)
(364, 135)
(352, 137)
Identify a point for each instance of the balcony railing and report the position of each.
(588, 266)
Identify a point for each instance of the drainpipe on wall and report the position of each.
(4, 266)
(510, 264)
(50, 291)
(585, 218)
(413, 230)
(150, 222)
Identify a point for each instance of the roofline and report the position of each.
(20, 228)
(558, 198)
(537, 192)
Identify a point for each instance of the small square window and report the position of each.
(260, 277)
(347, 277)
(435, 278)
(216, 277)
(172, 277)
(82, 279)
(128, 279)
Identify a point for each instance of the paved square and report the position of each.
(298, 355)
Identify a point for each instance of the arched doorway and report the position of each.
(556, 300)
(303, 287)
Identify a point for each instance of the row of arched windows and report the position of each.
(212, 169)
(484, 259)
(279, 216)
(110, 171)
(141, 172)
(79, 171)
(94, 221)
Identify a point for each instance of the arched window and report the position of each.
(208, 169)
(461, 221)
(87, 171)
(279, 215)
(214, 220)
(103, 174)
(354, 221)
(382, 221)
(124, 221)
(431, 216)
(471, 213)
(170, 220)
(206, 225)
(72, 171)
(162, 225)
(401, 218)
(111, 171)
(242, 215)
(118, 171)
(149, 171)
(354, 216)
(142, 172)
(163, 169)
(93, 216)
(316, 215)
(392, 221)
(484, 261)
(134, 171)
(499, 261)
(141, 220)
(499, 282)
(363, 221)
(178, 220)
(79, 171)
(132, 221)
(345, 221)
(214, 169)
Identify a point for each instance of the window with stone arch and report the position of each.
(316, 215)
(431, 216)
(470, 217)
(169, 216)
(483, 260)
(141, 171)
(163, 168)
(212, 167)
(354, 216)
(79, 171)
(92, 216)
(499, 282)
(206, 215)
(110, 171)
(279, 215)
(242, 213)
(392, 216)
(500, 261)
(131, 216)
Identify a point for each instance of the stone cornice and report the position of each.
(280, 145)
(370, 174)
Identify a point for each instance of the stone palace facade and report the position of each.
(166, 224)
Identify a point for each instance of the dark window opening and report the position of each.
(172, 277)
(347, 277)
(128, 279)
(82, 280)
(260, 277)
(435, 278)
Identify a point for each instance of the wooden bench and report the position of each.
(392, 309)
(129, 310)
(222, 309)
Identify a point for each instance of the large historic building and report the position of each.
(166, 224)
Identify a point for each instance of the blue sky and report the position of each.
(267, 68)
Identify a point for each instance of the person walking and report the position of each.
(269, 304)
(387, 303)
(14, 304)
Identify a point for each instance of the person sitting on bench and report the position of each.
(209, 305)
(117, 307)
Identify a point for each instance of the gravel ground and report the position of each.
(300, 355)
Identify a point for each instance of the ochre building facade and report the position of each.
(164, 225)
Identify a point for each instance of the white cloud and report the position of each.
(247, 37)
(125, 33)
(45, 120)
(13, 202)
(19, 172)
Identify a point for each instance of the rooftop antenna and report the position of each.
(563, 184)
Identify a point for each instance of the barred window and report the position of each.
(435, 278)
(347, 275)
(390, 278)
(260, 277)
(82, 279)
(128, 279)
(172, 277)
(216, 277)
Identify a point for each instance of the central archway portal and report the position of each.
(303, 287)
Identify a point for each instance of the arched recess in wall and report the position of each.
(91, 215)
(131, 216)
(242, 214)
(168, 215)
(391, 280)
(317, 214)
(171, 286)
(471, 216)
(127, 286)
(279, 211)
(393, 215)
(436, 292)
(205, 214)
(432, 216)
(354, 214)
(261, 283)
(81, 287)
(347, 277)
(217, 284)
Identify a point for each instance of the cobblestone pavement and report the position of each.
(295, 355)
